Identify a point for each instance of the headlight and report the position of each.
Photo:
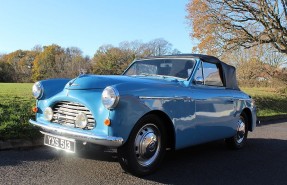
(81, 120)
(110, 97)
(48, 114)
(37, 90)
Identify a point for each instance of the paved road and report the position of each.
(262, 161)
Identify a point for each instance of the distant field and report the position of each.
(16, 102)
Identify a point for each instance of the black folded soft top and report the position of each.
(229, 72)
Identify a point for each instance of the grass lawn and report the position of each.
(16, 102)
(269, 102)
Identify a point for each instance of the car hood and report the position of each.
(102, 81)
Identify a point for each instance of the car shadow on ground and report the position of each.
(262, 161)
(45, 153)
(279, 120)
(96, 152)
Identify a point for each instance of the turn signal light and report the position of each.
(35, 109)
(107, 122)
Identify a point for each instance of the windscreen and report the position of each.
(178, 68)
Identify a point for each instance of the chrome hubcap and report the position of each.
(240, 131)
(147, 144)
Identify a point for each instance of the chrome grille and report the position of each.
(66, 112)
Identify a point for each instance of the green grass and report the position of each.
(16, 102)
(16, 89)
(269, 102)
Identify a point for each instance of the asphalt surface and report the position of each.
(262, 161)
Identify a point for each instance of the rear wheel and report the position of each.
(239, 139)
(145, 148)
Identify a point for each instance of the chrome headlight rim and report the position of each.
(38, 90)
(110, 97)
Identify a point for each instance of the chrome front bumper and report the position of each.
(79, 135)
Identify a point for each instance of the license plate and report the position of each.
(61, 143)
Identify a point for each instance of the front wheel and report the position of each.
(239, 139)
(145, 148)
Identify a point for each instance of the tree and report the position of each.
(25, 66)
(37, 48)
(111, 60)
(114, 60)
(157, 47)
(154, 47)
(222, 25)
(136, 47)
(21, 62)
(75, 63)
(6, 72)
(13, 59)
(258, 66)
(49, 63)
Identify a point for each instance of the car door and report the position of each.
(214, 104)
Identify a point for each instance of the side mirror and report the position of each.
(199, 81)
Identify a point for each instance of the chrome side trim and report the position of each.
(241, 99)
(85, 136)
(165, 98)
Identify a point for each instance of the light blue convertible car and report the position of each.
(158, 104)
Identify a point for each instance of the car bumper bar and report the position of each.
(79, 135)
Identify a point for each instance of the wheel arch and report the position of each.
(248, 113)
(168, 125)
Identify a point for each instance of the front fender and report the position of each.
(52, 87)
(125, 116)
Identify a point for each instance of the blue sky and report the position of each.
(88, 24)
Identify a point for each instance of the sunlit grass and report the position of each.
(269, 101)
(259, 91)
(16, 89)
(16, 103)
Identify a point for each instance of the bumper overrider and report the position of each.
(79, 135)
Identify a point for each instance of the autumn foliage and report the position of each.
(54, 61)
(41, 63)
(222, 25)
(203, 27)
(249, 34)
